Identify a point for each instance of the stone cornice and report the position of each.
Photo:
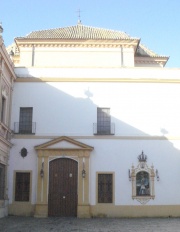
(112, 137)
(76, 43)
(162, 60)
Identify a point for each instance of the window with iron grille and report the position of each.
(2, 181)
(22, 186)
(105, 188)
(25, 121)
(3, 109)
(103, 121)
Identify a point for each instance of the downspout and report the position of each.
(122, 61)
(33, 54)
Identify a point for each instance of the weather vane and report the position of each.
(79, 15)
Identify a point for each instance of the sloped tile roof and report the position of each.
(143, 51)
(83, 32)
(78, 31)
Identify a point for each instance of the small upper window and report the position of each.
(25, 124)
(103, 121)
(104, 125)
(25, 121)
(3, 109)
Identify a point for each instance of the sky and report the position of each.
(155, 22)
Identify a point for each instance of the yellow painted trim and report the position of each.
(134, 211)
(113, 137)
(21, 209)
(120, 80)
(81, 146)
(41, 210)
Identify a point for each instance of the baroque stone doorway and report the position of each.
(51, 155)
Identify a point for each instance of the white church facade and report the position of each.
(95, 122)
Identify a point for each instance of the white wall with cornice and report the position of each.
(76, 57)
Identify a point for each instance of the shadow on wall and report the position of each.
(64, 109)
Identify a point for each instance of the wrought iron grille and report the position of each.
(2, 181)
(104, 129)
(22, 188)
(24, 128)
(105, 188)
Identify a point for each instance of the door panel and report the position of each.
(62, 200)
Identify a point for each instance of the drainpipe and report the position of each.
(122, 61)
(33, 53)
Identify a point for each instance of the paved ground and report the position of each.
(28, 224)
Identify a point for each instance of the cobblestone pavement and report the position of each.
(28, 224)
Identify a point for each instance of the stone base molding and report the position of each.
(21, 209)
(129, 211)
(41, 210)
(83, 211)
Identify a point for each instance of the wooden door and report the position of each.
(62, 199)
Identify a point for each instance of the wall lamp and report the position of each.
(157, 175)
(83, 173)
(129, 174)
(42, 171)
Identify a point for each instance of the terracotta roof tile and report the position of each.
(143, 51)
(83, 32)
(77, 32)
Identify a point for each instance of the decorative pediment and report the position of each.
(63, 143)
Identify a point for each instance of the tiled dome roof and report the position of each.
(78, 31)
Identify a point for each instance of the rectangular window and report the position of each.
(103, 121)
(25, 121)
(3, 109)
(2, 181)
(22, 186)
(105, 188)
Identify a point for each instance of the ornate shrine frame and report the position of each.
(142, 178)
